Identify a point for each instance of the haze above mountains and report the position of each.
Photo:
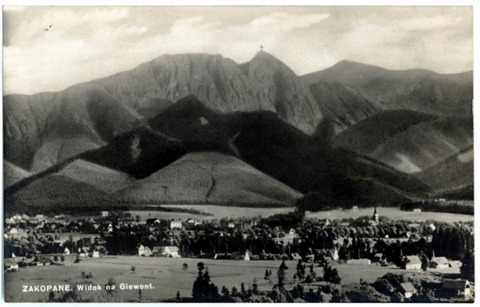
(352, 125)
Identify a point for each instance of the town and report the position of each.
(445, 249)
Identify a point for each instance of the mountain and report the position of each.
(202, 155)
(358, 75)
(369, 134)
(406, 140)
(415, 89)
(208, 178)
(450, 174)
(272, 146)
(343, 105)
(13, 173)
(43, 129)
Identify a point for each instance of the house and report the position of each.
(156, 251)
(175, 224)
(153, 221)
(96, 254)
(359, 261)
(105, 213)
(292, 232)
(10, 265)
(144, 251)
(167, 251)
(408, 290)
(231, 225)
(377, 257)
(439, 263)
(296, 256)
(83, 252)
(413, 263)
(455, 287)
(66, 251)
(417, 210)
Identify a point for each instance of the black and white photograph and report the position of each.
(237, 154)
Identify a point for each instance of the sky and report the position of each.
(50, 48)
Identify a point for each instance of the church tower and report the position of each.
(375, 215)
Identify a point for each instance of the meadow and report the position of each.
(168, 276)
(218, 212)
(392, 213)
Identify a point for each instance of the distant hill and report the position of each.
(208, 178)
(455, 172)
(415, 89)
(13, 173)
(344, 105)
(406, 140)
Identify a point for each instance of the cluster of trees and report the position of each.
(452, 241)
(204, 290)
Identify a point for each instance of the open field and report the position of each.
(237, 212)
(392, 213)
(217, 211)
(167, 275)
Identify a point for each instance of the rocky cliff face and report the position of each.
(38, 127)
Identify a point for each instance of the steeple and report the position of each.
(375, 215)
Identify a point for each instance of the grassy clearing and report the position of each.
(167, 275)
(392, 213)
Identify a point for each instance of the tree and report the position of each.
(51, 296)
(281, 274)
(467, 270)
(203, 290)
(255, 286)
(225, 292)
(331, 275)
(234, 291)
(111, 286)
(300, 269)
(267, 275)
(425, 261)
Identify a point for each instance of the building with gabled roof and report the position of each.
(413, 263)
(456, 287)
(408, 290)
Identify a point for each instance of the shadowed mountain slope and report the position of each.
(452, 173)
